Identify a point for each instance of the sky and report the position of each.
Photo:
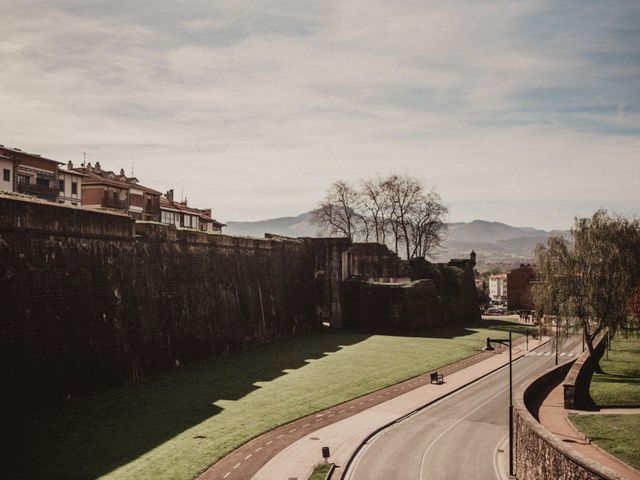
(525, 112)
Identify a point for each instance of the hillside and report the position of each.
(494, 242)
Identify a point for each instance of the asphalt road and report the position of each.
(457, 437)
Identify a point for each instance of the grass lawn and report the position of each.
(174, 425)
(617, 434)
(320, 471)
(620, 385)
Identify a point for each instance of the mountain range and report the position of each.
(493, 242)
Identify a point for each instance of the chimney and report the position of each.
(70, 165)
(89, 165)
(122, 172)
(98, 166)
(169, 195)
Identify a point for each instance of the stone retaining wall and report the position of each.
(540, 455)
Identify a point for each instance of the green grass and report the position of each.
(617, 434)
(174, 425)
(620, 384)
(320, 471)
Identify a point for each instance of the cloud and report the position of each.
(256, 107)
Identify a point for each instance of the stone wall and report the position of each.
(539, 455)
(86, 303)
(440, 294)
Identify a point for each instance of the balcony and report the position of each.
(37, 190)
(111, 202)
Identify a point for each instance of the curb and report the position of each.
(413, 412)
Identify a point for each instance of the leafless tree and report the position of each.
(376, 205)
(338, 212)
(427, 228)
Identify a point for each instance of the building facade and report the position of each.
(8, 178)
(519, 287)
(104, 189)
(181, 215)
(498, 286)
(70, 186)
(33, 174)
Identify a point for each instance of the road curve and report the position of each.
(454, 438)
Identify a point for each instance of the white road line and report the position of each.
(279, 436)
(248, 456)
(258, 449)
(270, 441)
(292, 430)
(424, 455)
(306, 425)
(237, 465)
(226, 475)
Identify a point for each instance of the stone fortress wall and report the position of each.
(91, 299)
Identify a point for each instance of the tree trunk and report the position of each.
(589, 341)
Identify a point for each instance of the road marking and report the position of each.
(279, 436)
(292, 430)
(424, 455)
(306, 425)
(270, 441)
(226, 475)
(237, 465)
(258, 449)
(248, 456)
(318, 420)
(341, 411)
(332, 414)
(352, 406)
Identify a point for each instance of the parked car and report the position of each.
(496, 310)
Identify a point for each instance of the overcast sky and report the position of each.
(524, 112)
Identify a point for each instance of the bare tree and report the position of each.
(338, 212)
(404, 193)
(427, 226)
(377, 207)
(417, 219)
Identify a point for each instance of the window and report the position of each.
(42, 181)
(24, 179)
(6, 175)
(74, 188)
(61, 185)
(167, 217)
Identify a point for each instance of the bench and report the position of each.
(437, 378)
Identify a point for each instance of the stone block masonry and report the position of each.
(89, 299)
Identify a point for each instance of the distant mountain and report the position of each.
(300, 226)
(494, 242)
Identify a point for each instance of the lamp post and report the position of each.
(507, 342)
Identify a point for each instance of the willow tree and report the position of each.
(592, 276)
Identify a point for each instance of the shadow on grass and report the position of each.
(92, 436)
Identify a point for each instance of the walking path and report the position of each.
(554, 417)
(291, 451)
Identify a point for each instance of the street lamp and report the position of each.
(507, 342)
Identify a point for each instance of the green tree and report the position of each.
(592, 276)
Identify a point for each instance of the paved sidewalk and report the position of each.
(296, 461)
(554, 417)
(244, 462)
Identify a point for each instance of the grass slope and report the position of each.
(620, 384)
(617, 434)
(175, 425)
